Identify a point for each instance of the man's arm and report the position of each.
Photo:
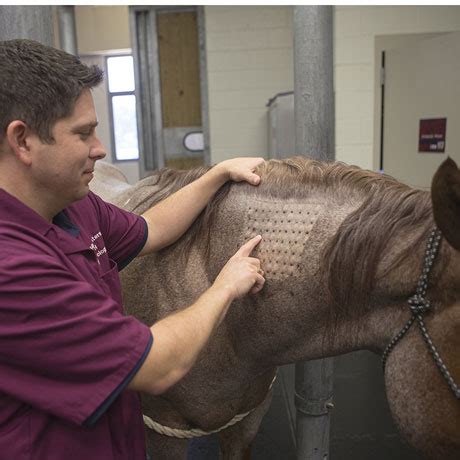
(179, 338)
(169, 219)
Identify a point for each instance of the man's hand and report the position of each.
(242, 274)
(169, 219)
(180, 337)
(241, 169)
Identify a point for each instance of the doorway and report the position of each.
(170, 68)
(421, 84)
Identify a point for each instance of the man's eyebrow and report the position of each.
(82, 126)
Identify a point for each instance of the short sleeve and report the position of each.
(124, 233)
(64, 346)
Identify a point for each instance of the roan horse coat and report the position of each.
(342, 251)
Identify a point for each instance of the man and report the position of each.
(69, 358)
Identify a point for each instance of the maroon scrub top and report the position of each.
(67, 351)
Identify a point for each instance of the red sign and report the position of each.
(432, 137)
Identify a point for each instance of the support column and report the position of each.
(67, 29)
(33, 22)
(313, 81)
(314, 123)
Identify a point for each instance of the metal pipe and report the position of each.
(313, 81)
(32, 22)
(67, 29)
(204, 84)
(313, 401)
(314, 130)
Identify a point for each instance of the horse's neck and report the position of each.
(291, 318)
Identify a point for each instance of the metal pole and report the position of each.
(32, 22)
(313, 81)
(67, 29)
(314, 121)
(313, 401)
(204, 84)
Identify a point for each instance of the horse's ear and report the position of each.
(445, 195)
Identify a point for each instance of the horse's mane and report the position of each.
(384, 207)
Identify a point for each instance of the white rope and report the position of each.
(194, 433)
(188, 434)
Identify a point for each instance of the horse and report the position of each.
(344, 254)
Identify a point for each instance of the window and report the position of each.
(122, 101)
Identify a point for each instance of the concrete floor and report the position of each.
(361, 424)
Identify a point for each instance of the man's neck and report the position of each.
(36, 199)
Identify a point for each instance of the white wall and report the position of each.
(102, 28)
(249, 59)
(355, 30)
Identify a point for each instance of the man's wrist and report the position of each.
(221, 292)
(221, 174)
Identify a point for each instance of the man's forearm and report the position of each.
(170, 219)
(178, 340)
(180, 337)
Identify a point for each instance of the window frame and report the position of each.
(110, 96)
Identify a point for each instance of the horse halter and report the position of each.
(419, 306)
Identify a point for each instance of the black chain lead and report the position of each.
(419, 306)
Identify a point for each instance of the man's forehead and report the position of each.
(84, 113)
(84, 103)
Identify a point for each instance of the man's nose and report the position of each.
(97, 150)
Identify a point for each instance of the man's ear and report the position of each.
(18, 138)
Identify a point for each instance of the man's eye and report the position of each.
(84, 136)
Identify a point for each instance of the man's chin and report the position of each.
(81, 193)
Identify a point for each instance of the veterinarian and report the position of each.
(71, 363)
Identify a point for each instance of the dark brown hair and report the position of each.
(39, 85)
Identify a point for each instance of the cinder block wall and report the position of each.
(250, 59)
(355, 29)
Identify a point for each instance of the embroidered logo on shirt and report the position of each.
(95, 248)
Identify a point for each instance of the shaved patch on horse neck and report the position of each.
(285, 228)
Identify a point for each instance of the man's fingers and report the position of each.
(248, 247)
(254, 261)
(258, 285)
(254, 179)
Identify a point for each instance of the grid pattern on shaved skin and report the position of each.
(285, 229)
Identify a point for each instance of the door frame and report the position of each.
(144, 39)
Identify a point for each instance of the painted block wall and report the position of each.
(355, 31)
(249, 59)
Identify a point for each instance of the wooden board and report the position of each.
(179, 69)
